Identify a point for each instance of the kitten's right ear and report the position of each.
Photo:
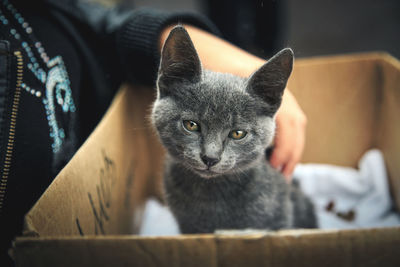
(179, 61)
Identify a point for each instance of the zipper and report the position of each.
(12, 128)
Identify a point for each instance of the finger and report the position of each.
(281, 153)
(289, 167)
(278, 158)
(282, 146)
(288, 177)
(296, 156)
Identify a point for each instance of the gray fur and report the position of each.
(241, 190)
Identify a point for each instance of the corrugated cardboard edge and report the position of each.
(368, 247)
(29, 227)
(351, 57)
(388, 138)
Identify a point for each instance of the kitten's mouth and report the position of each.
(207, 173)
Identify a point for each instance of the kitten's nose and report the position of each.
(209, 161)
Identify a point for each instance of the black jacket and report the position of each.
(61, 62)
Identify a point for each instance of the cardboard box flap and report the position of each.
(99, 189)
(352, 104)
(374, 247)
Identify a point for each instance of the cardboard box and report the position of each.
(86, 215)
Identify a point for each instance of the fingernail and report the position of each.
(288, 178)
(279, 168)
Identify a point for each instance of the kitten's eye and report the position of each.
(237, 134)
(191, 126)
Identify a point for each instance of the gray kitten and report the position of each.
(216, 127)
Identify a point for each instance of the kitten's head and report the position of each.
(215, 123)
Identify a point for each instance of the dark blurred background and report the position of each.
(310, 27)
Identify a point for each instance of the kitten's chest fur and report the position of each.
(256, 198)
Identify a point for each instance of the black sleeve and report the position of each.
(138, 39)
(132, 35)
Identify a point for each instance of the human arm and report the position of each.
(219, 55)
(127, 45)
(125, 40)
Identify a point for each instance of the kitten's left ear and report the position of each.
(269, 81)
(179, 61)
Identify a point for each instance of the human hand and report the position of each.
(290, 136)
